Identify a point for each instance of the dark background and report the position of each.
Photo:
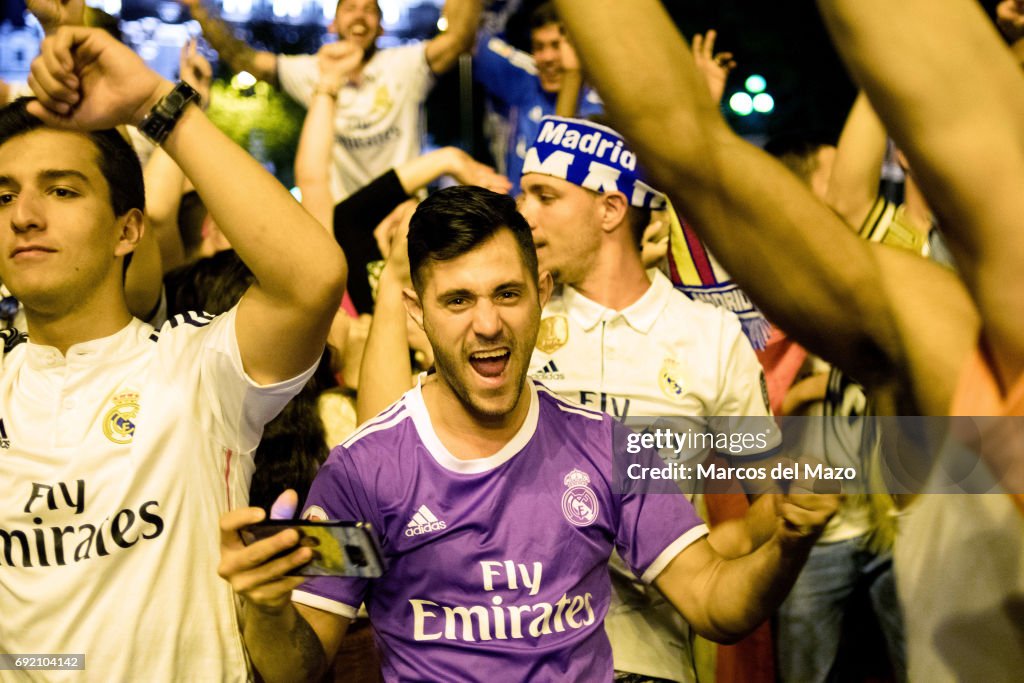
(784, 41)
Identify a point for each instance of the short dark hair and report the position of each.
(543, 15)
(117, 161)
(456, 220)
(191, 216)
(798, 150)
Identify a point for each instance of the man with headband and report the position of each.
(621, 339)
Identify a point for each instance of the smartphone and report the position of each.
(340, 548)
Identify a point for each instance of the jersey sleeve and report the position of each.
(231, 407)
(590, 104)
(656, 521)
(297, 75)
(742, 411)
(409, 62)
(337, 494)
(506, 73)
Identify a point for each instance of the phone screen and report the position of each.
(340, 548)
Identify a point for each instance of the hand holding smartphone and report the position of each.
(340, 548)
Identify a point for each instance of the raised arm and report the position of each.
(386, 371)
(716, 67)
(417, 173)
(87, 80)
(857, 170)
(165, 182)
(236, 53)
(572, 79)
(336, 61)
(862, 307)
(444, 49)
(965, 140)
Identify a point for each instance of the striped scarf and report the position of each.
(696, 273)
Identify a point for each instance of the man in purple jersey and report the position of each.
(495, 500)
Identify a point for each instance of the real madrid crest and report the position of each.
(579, 502)
(553, 334)
(670, 379)
(119, 422)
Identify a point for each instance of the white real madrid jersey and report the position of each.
(378, 123)
(663, 356)
(117, 460)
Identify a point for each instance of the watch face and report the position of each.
(159, 122)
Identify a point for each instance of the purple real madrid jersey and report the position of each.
(495, 566)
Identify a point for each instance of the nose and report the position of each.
(547, 55)
(27, 213)
(525, 207)
(486, 320)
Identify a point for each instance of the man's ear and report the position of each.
(413, 306)
(545, 285)
(613, 207)
(132, 227)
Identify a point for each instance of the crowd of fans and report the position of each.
(189, 351)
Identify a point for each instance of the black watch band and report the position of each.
(162, 118)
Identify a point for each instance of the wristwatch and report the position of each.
(165, 114)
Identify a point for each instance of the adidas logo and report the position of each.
(423, 522)
(549, 371)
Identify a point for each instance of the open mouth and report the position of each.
(490, 363)
(358, 30)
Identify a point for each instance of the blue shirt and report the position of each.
(510, 77)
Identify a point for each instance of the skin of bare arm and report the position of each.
(858, 305)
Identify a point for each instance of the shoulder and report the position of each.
(703, 319)
(380, 433)
(388, 57)
(556, 304)
(496, 49)
(557, 410)
(187, 324)
(297, 64)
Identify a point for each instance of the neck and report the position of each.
(94, 318)
(618, 278)
(467, 434)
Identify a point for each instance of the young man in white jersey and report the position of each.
(497, 503)
(622, 339)
(121, 445)
(378, 120)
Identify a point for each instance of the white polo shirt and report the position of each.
(665, 355)
(378, 123)
(117, 460)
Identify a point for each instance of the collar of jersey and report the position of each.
(640, 315)
(110, 349)
(444, 457)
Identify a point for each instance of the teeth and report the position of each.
(487, 355)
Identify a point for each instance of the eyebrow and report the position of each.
(451, 293)
(464, 292)
(62, 173)
(50, 175)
